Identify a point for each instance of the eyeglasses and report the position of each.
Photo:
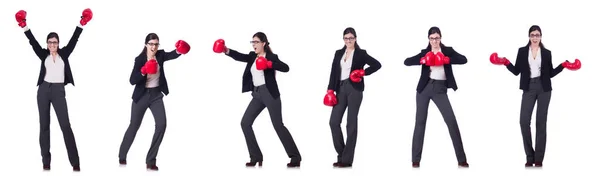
(535, 35)
(254, 42)
(435, 39)
(153, 44)
(53, 42)
(349, 38)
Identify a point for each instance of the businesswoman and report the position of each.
(55, 74)
(347, 82)
(148, 76)
(534, 63)
(436, 77)
(259, 77)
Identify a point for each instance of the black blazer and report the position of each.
(455, 58)
(270, 81)
(359, 60)
(64, 53)
(139, 80)
(522, 67)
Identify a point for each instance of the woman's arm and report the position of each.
(68, 49)
(278, 64)
(516, 69)
(136, 73)
(238, 56)
(170, 55)
(39, 51)
(374, 64)
(415, 60)
(557, 70)
(457, 58)
(181, 47)
(332, 81)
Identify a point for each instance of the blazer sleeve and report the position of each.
(238, 56)
(170, 55)
(374, 64)
(415, 60)
(278, 64)
(557, 70)
(136, 73)
(68, 49)
(331, 85)
(457, 58)
(39, 51)
(515, 69)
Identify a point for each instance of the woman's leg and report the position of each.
(138, 109)
(43, 102)
(157, 107)
(540, 126)
(354, 101)
(335, 121)
(527, 103)
(252, 111)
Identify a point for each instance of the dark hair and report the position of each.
(350, 30)
(52, 35)
(535, 28)
(149, 37)
(434, 30)
(263, 37)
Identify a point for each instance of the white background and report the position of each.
(204, 138)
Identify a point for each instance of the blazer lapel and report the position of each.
(545, 58)
(355, 58)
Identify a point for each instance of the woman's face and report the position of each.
(259, 46)
(434, 40)
(152, 46)
(349, 40)
(52, 44)
(535, 37)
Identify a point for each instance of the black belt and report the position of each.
(256, 87)
(435, 80)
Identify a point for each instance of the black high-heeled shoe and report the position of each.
(253, 163)
(293, 164)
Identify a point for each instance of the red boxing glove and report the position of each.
(151, 67)
(262, 63)
(219, 46)
(441, 59)
(494, 59)
(428, 59)
(21, 16)
(330, 99)
(182, 47)
(572, 66)
(86, 16)
(356, 75)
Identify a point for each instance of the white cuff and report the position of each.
(80, 26)
(26, 28)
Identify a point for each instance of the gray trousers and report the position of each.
(350, 98)
(535, 93)
(54, 93)
(436, 90)
(261, 98)
(153, 99)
